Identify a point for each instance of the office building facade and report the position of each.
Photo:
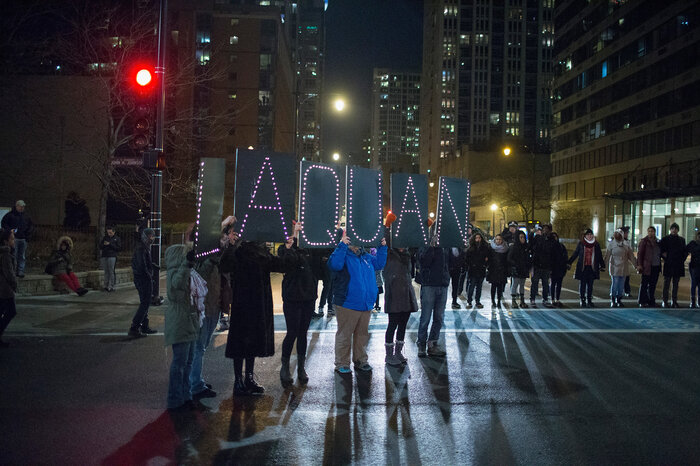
(627, 115)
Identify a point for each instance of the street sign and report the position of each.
(127, 162)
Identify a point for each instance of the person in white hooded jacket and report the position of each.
(618, 256)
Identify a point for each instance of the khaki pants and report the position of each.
(353, 328)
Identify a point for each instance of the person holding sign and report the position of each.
(299, 292)
(251, 333)
(354, 292)
(434, 277)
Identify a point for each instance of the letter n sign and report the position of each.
(319, 204)
(210, 205)
(364, 206)
(409, 202)
(452, 212)
(264, 195)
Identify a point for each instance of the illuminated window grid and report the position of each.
(302, 202)
(252, 205)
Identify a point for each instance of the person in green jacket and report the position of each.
(181, 327)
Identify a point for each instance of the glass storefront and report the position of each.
(659, 213)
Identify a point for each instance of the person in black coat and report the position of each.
(111, 245)
(693, 249)
(559, 258)
(18, 220)
(498, 269)
(143, 270)
(674, 254)
(542, 253)
(476, 262)
(520, 262)
(251, 333)
(510, 234)
(456, 265)
(590, 263)
(299, 292)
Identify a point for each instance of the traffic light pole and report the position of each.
(157, 175)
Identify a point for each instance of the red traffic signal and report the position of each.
(143, 77)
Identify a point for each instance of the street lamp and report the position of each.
(336, 156)
(338, 105)
(507, 151)
(494, 208)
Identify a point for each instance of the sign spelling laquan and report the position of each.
(452, 212)
(320, 191)
(409, 202)
(210, 205)
(264, 195)
(364, 206)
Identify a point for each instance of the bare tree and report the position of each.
(517, 191)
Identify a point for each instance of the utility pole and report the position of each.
(157, 174)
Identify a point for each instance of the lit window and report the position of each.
(234, 21)
(233, 40)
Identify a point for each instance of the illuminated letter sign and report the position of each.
(264, 195)
(364, 206)
(452, 212)
(409, 202)
(319, 204)
(210, 205)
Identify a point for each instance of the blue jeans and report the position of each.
(20, 253)
(179, 386)
(197, 383)
(474, 286)
(617, 287)
(432, 304)
(537, 275)
(694, 283)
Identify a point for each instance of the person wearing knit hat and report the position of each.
(590, 263)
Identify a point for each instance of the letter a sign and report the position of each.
(452, 212)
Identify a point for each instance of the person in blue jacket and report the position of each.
(354, 294)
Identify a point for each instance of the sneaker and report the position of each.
(365, 367)
(435, 351)
(148, 330)
(469, 304)
(82, 291)
(455, 305)
(331, 312)
(343, 370)
(206, 393)
(223, 325)
(135, 332)
(252, 386)
(479, 305)
(421, 350)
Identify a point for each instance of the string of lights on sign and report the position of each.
(199, 213)
(444, 192)
(350, 206)
(302, 201)
(252, 205)
(410, 188)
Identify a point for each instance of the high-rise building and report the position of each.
(627, 115)
(487, 67)
(395, 121)
(309, 42)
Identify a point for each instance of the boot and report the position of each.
(513, 302)
(285, 376)
(390, 358)
(398, 352)
(301, 370)
(693, 303)
(583, 302)
(455, 304)
(523, 304)
(239, 388)
(435, 351)
(590, 302)
(253, 387)
(619, 302)
(421, 350)
(613, 302)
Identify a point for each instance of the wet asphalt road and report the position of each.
(536, 386)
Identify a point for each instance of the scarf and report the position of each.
(588, 251)
(499, 249)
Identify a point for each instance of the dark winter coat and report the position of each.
(433, 266)
(8, 281)
(181, 317)
(141, 262)
(519, 260)
(398, 286)
(299, 282)
(61, 261)
(508, 237)
(20, 222)
(112, 249)
(597, 263)
(559, 258)
(693, 249)
(543, 252)
(645, 254)
(457, 263)
(354, 279)
(208, 269)
(674, 254)
(477, 260)
(252, 332)
(498, 268)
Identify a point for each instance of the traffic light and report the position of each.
(143, 110)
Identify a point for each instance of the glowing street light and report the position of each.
(494, 207)
(336, 156)
(506, 151)
(339, 104)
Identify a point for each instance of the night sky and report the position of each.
(362, 35)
